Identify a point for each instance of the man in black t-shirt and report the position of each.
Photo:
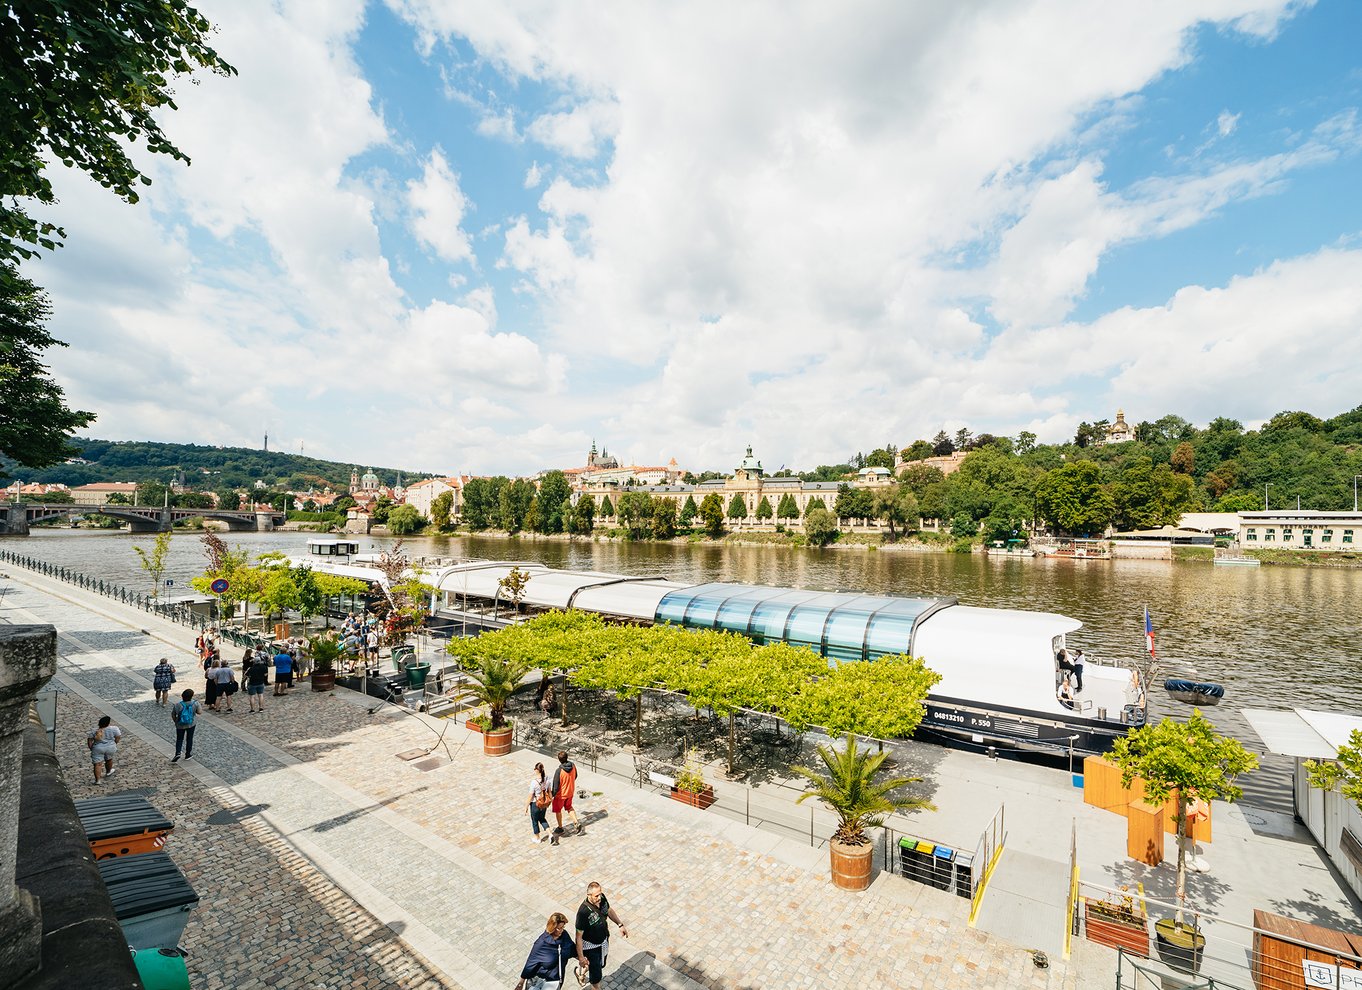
(593, 933)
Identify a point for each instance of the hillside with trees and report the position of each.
(205, 468)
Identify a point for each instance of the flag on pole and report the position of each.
(1148, 631)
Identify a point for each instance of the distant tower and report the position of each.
(267, 443)
(354, 480)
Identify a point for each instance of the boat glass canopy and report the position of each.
(837, 625)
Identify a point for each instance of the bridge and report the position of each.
(17, 517)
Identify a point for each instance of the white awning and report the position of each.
(1301, 732)
(629, 599)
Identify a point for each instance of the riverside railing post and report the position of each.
(28, 659)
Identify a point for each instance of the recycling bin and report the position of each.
(151, 899)
(416, 675)
(915, 856)
(943, 868)
(161, 969)
(403, 656)
(964, 874)
(122, 825)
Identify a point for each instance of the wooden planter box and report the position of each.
(473, 726)
(702, 800)
(496, 742)
(850, 866)
(323, 681)
(1105, 926)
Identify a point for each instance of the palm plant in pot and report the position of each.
(324, 651)
(850, 785)
(690, 787)
(492, 681)
(1189, 761)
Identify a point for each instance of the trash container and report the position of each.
(122, 825)
(917, 860)
(416, 675)
(151, 899)
(161, 969)
(964, 874)
(943, 868)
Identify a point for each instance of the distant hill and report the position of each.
(207, 468)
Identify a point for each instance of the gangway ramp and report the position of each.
(1024, 901)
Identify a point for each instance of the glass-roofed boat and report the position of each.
(1000, 680)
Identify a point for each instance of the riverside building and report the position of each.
(1300, 529)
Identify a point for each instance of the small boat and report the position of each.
(1194, 692)
(1238, 562)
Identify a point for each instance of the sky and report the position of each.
(475, 237)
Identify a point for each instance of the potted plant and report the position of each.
(851, 787)
(1117, 922)
(492, 681)
(690, 787)
(477, 723)
(1190, 761)
(324, 651)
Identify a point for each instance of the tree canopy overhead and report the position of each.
(83, 81)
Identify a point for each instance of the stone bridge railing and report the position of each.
(17, 517)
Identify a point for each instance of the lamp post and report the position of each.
(1265, 488)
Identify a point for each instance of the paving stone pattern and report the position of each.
(458, 857)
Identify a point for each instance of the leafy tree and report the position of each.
(83, 80)
(827, 472)
(663, 518)
(193, 500)
(228, 498)
(343, 504)
(405, 519)
(737, 508)
(1074, 499)
(383, 506)
(918, 450)
(880, 457)
(963, 440)
(1343, 773)
(1184, 458)
(35, 422)
(441, 509)
(1026, 442)
(635, 514)
(820, 526)
(942, 445)
(154, 561)
(964, 526)
(512, 586)
(689, 511)
(583, 519)
(764, 510)
(787, 509)
(1187, 758)
(607, 510)
(897, 505)
(513, 504)
(1086, 435)
(850, 785)
(712, 515)
(814, 503)
(555, 494)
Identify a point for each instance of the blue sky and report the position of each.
(475, 237)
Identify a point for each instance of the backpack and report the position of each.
(184, 713)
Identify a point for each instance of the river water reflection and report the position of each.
(1274, 636)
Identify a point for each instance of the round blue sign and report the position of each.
(219, 586)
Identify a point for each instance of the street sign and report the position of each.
(219, 586)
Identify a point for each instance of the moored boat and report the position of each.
(1201, 693)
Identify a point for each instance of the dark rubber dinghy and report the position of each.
(1194, 692)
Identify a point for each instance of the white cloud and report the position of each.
(533, 176)
(1226, 123)
(438, 206)
(577, 133)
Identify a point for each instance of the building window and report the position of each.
(1286, 534)
(1253, 534)
(1269, 534)
(1328, 536)
(1347, 536)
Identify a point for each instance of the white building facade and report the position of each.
(1301, 529)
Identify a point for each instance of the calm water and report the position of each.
(1274, 636)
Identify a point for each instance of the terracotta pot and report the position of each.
(496, 742)
(323, 681)
(702, 800)
(473, 726)
(1129, 933)
(850, 864)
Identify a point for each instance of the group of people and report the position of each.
(359, 637)
(555, 795)
(1070, 670)
(554, 951)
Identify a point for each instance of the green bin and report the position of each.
(161, 969)
(403, 656)
(416, 675)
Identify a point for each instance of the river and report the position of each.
(1276, 637)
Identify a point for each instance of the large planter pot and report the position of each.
(323, 681)
(496, 742)
(1180, 946)
(702, 800)
(1117, 929)
(850, 864)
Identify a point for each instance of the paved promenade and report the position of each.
(325, 860)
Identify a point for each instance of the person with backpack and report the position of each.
(539, 802)
(564, 783)
(183, 713)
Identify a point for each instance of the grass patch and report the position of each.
(1308, 558)
(1203, 554)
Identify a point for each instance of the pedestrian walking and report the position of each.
(162, 677)
(183, 713)
(283, 671)
(539, 802)
(549, 957)
(257, 676)
(371, 644)
(210, 688)
(593, 932)
(564, 783)
(103, 743)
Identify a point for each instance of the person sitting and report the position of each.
(1066, 694)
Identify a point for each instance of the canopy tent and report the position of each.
(1170, 533)
(1302, 733)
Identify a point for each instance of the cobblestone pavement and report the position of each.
(446, 852)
